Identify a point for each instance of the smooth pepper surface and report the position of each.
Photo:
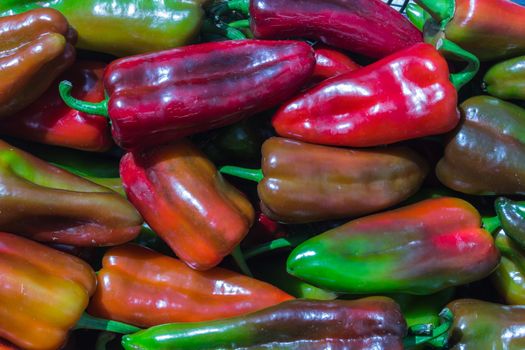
(509, 278)
(369, 323)
(187, 202)
(43, 293)
(418, 249)
(486, 153)
(403, 96)
(142, 287)
(35, 48)
(48, 204)
(506, 79)
(304, 182)
(124, 28)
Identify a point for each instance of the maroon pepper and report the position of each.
(156, 98)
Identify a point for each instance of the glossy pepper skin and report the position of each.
(150, 25)
(49, 204)
(506, 79)
(305, 183)
(330, 63)
(376, 105)
(490, 29)
(483, 325)
(43, 293)
(509, 278)
(49, 120)
(369, 323)
(418, 249)
(35, 48)
(367, 27)
(511, 215)
(159, 97)
(187, 202)
(142, 287)
(486, 153)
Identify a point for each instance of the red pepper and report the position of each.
(49, 120)
(156, 98)
(404, 96)
(330, 63)
(186, 202)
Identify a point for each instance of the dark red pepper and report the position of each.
(330, 63)
(404, 96)
(49, 120)
(156, 98)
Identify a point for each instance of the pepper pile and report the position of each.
(388, 149)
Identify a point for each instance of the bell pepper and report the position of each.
(126, 27)
(369, 323)
(186, 202)
(489, 29)
(418, 249)
(48, 120)
(506, 79)
(36, 47)
(511, 215)
(509, 278)
(43, 293)
(403, 96)
(49, 204)
(156, 98)
(301, 182)
(330, 63)
(483, 325)
(486, 154)
(140, 286)
(367, 27)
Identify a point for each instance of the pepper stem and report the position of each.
(97, 108)
(241, 24)
(288, 242)
(243, 6)
(239, 258)
(417, 15)
(441, 10)
(435, 336)
(491, 224)
(466, 75)
(243, 173)
(90, 322)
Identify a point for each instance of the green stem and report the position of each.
(103, 340)
(459, 79)
(233, 33)
(288, 242)
(438, 337)
(417, 15)
(491, 224)
(243, 23)
(243, 173)
(441, 10)
(90, 322)
(239, 258)
(243, 6)
(97, 108)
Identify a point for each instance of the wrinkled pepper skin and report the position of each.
(142, 287)
(162, 96)
(43, 293)
(511, 215)
(418, 249)
(330, 63)
(506, 80)
(150, 25)
(369, 323)
(483, 325)
(509, 278)
(490, 29)
(486, 153)
(48, 120)
(185, 200)
(49, 204)
(376, 105)
(306, 183)
(35, 48)
(367, 27)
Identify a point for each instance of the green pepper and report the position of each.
(511, 215)
(124, 27)
(509, 278)
(506, 79)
